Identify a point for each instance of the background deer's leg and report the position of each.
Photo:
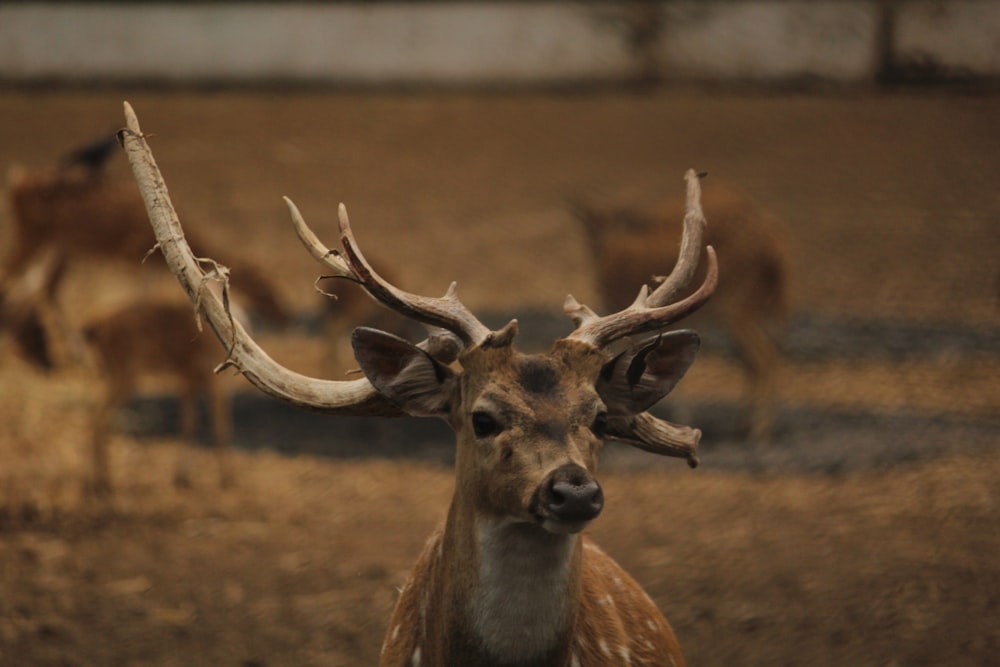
(222, 429)
(759, 355)
(15, 263)
(338, 360)
(24, 290)
(115, 392)
(53, 265)
(189, 433)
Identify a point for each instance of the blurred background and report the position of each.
(848, 388)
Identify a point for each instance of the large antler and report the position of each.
(355, 397)
(654, 310)
(651, 311)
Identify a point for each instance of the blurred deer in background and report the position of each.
(136, 342)
(508, 579)
(74, 211)
(77, 212)
(629, 244)
(142, 340)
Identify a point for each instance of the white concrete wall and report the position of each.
(963, 36)
(454, 43)
(770, 40)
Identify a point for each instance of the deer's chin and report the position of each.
(555, 526)
(563, 527)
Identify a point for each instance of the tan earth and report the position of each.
(891, 209)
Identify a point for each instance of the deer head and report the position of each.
(528, 427)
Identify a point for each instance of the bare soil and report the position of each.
(890, 207)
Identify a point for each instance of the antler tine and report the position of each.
(331, 259)
(654, 310)
(446, 312)
(355, 397)
(691, 240)
(657, 436)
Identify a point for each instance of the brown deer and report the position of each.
(629, 243)
(508, 579)
(76, 212)
(157, 339)
(138, 340)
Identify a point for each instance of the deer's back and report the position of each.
(153, 339)
(79, 213)
(631, 243)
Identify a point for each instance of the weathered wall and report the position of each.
(455, 43)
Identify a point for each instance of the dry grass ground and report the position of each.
(299, 565)
(890, 205)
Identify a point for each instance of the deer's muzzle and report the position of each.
(567, 499)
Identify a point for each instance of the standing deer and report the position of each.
(508, 579)
(75, 212)
(629, 243)
(136, 341)
(156, 339)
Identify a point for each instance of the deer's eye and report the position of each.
(484, 424)
(600, 425)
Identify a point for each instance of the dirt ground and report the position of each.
(891, 210)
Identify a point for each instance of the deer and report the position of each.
(157, 338)
(78, 212)
(628, 243)
(509, 578)
(138, 339)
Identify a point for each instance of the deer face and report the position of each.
(529, 430)
(529, 427)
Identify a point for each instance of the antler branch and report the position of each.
(691, 240)
(354, 397)
(655, 435)
(655, 310)
(446, 312)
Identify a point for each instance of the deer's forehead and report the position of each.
(538, 376)
(534, 376)
(550, 388)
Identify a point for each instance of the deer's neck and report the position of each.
(519, 604)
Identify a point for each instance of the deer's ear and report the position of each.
(636, 379)
(403, 373)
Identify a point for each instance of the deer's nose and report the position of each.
(570, 495)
